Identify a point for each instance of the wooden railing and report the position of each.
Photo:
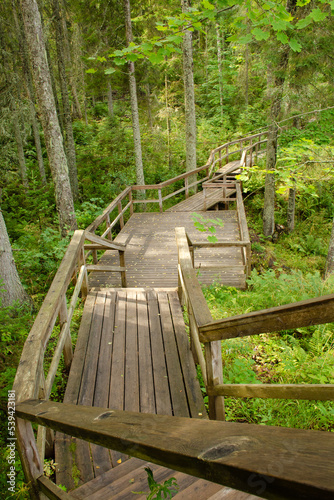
(30, 381)
(203, 329)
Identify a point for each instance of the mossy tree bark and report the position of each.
(330, 256)
(46, 103)
(11, 289)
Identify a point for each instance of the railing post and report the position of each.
(122, 264)
(131, 201)
(186, 184)
(85, 284)
(95, 259)
(214, 374)
(160, 200)
(251, 154)
(220, 159)
(109, 236)
(121, 221)
(227, 154)
(248, 260)
(63, 318)
(257, 147)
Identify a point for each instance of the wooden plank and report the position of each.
(101, 456)
(146, 386)
(51, 490)
(219, 244)
(193, 390)
(318, 392)
(296, 315)
(103, 269)
(175, 378)
(199, 489)
(131, 390)
(109, 477)
(163, 403)
(64, 457)
(108, 244)
(228, 453)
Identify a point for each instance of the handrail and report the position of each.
(30, 381)
(252, 458)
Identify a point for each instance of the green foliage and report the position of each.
(159, 491)
(204, 225)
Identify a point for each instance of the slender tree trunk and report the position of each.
(110, 101)
(46, 103)
(276, 99)
(149, 112)
(20, 150)
(330, 256)
(189, 94)
(246, 73)
(134, 102)
(220, 70)
(67, 52)
(11, 288)
(30, 89)
(291, 210)
(69, 143)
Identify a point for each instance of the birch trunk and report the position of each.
(11, 289)
(330, 256)
(46, 103)
(220, 70)
(134, 102)
(189, 96)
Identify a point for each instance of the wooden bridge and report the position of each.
(132, 398)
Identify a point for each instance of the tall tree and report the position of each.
(330, 256)
(276, 103)
(11, 289)
(189, 95)
(69, 138)
(46, 102)
(133, 98)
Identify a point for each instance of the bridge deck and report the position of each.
(132, 354)
(151, 253)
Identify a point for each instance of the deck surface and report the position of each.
(151, 253)
(132, 354)
(195, 203)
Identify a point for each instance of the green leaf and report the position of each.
(91, 70)
(119, 62)
(296, 47)
(246, 39)
(317, 15)
(132, 57)
(156, 58)
(279, 25)
(260, 34)
(208, 5)
(302, 23)
(332, 4)
(281, 37)
(101, 59)
(109, 71)
(212, 239)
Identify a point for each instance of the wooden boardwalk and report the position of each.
(151, 253)
(132, 354)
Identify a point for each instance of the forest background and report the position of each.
(238, 72)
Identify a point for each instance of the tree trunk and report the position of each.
(167, 120)
(134, 102)
(19, 146)
(330, 256)
(46, 103)
(291, 210)
(30, 89)
(189, 95)
(67, 52)
(11, 289)
(69, 143)
(110, 101)
(276, 99)
(220, 70)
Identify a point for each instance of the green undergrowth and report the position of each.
(302, 355)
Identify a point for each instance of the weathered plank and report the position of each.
(318, 392)
(236, 455)
(146, 386)
(296, 315)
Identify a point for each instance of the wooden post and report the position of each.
(257, 147)
(186, 184)
(121, 221)
(131, 201)
(226, 154)
(220, 158)
(251, 154)
(109, 236)
(214, 374)
(248, 260)
(160, 200)
(122, 264)
(95, 259)
(85, 285)
(67, 351)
